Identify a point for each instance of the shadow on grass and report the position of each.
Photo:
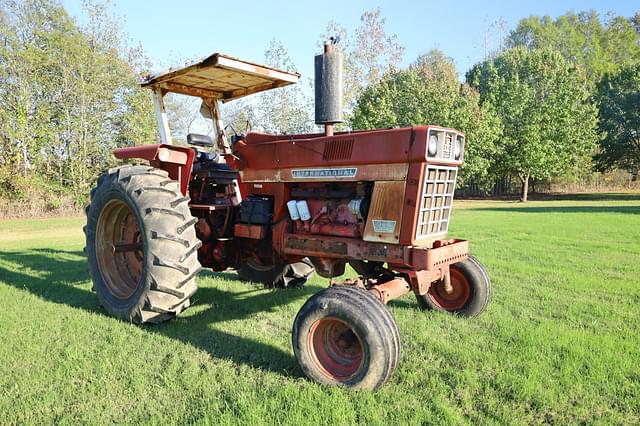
(564, 209)
(56, 276)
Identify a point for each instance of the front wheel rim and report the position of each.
(336, 348)
(455, 300)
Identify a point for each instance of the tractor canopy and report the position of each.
(221, 77)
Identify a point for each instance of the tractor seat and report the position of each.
(214, 166)
(199, 140)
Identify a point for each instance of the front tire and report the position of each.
(471, 290)
(279, 275)
(141, 245)
(345, 336)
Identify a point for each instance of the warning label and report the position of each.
(384, 226)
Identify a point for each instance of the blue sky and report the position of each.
(171, 31)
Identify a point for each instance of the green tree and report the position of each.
(635, 21)
(598, 46)
(68, 94)
(619, 98)
(428, 92)
(31, 37)
(285, 110)
(183, 114)
(548, 121)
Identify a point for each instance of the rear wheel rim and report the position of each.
(119, 249)
(455, 300)
(336, 348)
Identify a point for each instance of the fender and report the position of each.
(176, 160)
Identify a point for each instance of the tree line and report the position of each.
(559, 98)
(69, 94)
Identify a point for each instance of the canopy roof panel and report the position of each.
(221, 77)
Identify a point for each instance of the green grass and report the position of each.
(559, 343)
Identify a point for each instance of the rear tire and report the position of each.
(471, 290)
(345, 336)
(141, 245)
(279, 275)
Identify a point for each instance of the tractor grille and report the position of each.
(437, 201)
(339, 149)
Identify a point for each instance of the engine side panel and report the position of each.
(385, 214)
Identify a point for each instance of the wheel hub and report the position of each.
(456, 296)
(336, 348)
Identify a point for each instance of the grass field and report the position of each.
(560, 342)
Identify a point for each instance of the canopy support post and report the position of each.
(161, 116)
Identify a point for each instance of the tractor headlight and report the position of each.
(457, 149)
(432, 147)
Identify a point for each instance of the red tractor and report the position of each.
(276, 208)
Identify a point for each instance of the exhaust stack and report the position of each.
(328, 87)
